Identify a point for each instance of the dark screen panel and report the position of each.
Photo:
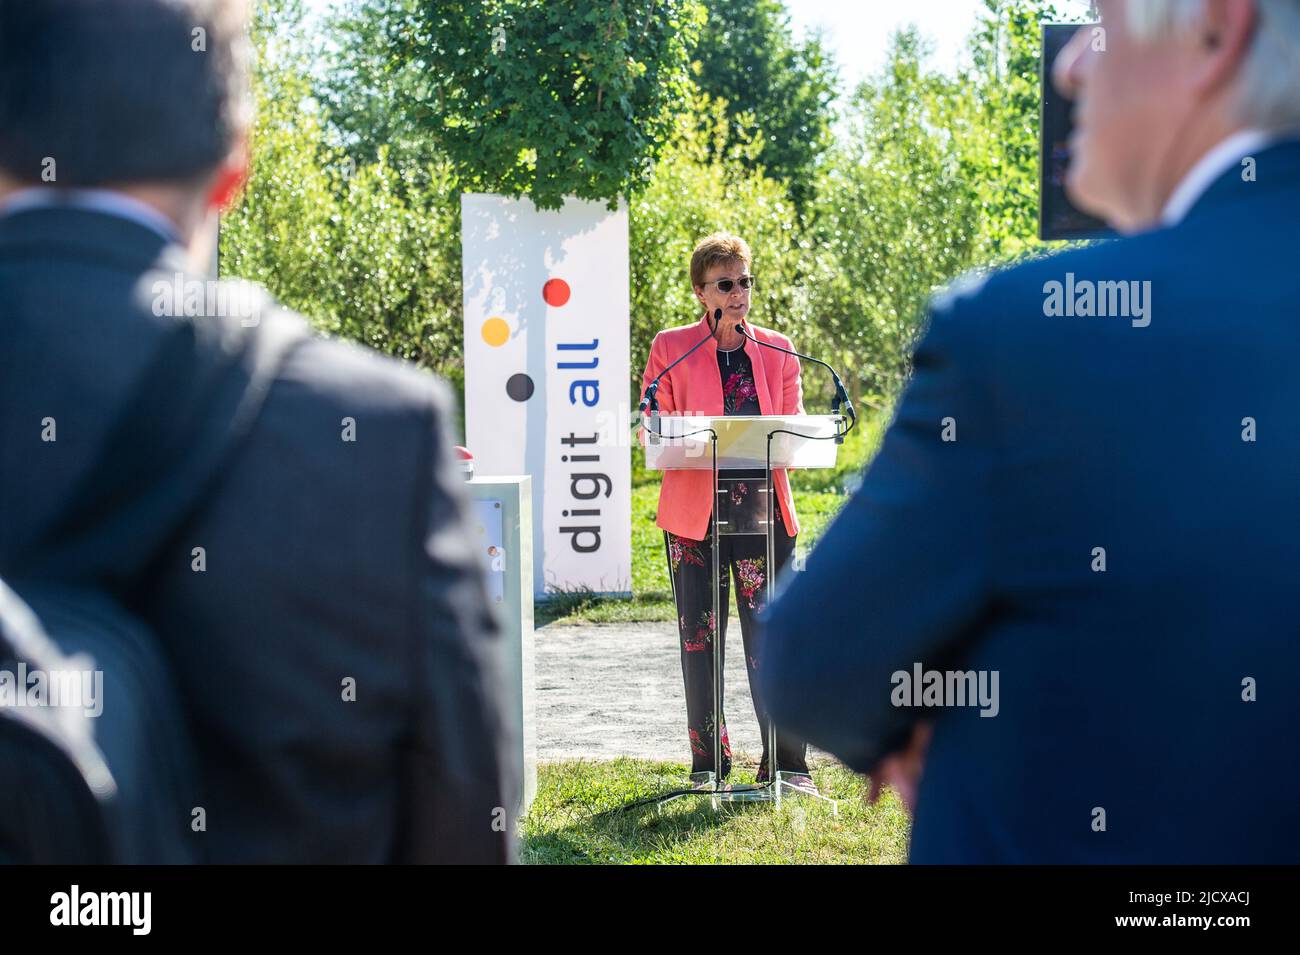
(1058, 217)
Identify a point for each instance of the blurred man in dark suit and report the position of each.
(1074, 557)
(282, 510)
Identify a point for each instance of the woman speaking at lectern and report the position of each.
(729, 375)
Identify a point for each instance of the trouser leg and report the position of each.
(690, 563)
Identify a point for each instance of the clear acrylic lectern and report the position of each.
(686, 442)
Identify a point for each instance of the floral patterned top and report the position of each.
(739, 395)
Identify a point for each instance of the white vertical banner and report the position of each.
(546, 377)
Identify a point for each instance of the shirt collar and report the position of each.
(105, 201)
(1209, 168)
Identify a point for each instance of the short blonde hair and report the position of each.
(714, 250)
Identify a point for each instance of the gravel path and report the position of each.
(607, 690)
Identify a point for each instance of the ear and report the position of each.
(1224, 43)
(230, 178)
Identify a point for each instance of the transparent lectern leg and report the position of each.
(775, 778)
(773, 768)
(717, 632)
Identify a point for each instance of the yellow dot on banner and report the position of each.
(495, 331)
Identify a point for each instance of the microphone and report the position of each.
(651, 400)
(841, 393)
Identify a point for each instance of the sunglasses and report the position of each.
(726, 285)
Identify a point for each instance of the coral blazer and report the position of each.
(695, 387)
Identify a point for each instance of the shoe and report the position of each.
(802, 782)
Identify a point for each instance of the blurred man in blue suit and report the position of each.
(1060, 615)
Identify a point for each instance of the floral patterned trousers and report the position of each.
(690, 563)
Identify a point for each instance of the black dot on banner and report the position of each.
(520, 387)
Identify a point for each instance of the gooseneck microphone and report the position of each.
(841, 393)
(651, 399)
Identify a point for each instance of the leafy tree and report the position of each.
(280, 233)
(996, 122)
(548, 100)
(361, 89)
(896, 214)
(781, 88)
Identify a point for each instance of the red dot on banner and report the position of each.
(556, 292)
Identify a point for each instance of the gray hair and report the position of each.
(1270, 78)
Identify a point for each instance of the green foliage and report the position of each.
(397, 276)
(774, 86)
(281, 226)
(897, 217)
(362, 90)
(999, 114)
(547, 100)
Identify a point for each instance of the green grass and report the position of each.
(818, 496)
(569, 822)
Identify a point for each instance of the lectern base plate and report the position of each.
(776, 793)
